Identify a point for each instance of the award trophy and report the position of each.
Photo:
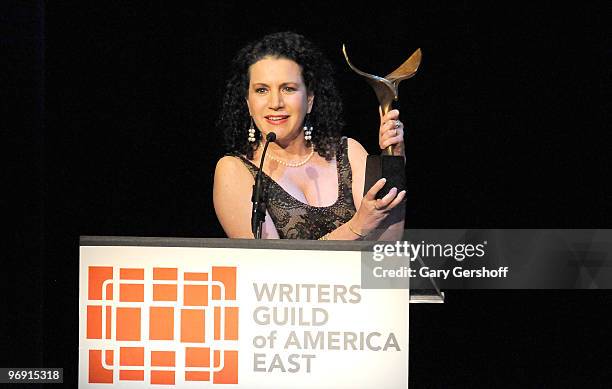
(387, 165)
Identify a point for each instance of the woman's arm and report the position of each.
(232, 190)
(377, 219)
(381, 219)
(385, 224)
(391, 133)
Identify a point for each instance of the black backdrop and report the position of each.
(114, 134)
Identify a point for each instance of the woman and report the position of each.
(314, 179)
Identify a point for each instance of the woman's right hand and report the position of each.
(373, 211)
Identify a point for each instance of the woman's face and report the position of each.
(277, 98)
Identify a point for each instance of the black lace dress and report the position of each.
(296, 220)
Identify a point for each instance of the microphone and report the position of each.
(271, 137)
(258, 214)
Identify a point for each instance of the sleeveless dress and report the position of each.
(296, 220)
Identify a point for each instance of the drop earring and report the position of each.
(307, 130)
(251, 132)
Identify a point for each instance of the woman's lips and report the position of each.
(276, 120)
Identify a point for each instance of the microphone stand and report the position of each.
(258, 214)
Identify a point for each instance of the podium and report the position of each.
(187, 313)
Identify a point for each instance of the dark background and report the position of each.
(110, 124)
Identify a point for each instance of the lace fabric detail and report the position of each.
(297, 220)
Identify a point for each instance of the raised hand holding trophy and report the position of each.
(387, 165)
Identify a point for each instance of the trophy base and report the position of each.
(391, 167)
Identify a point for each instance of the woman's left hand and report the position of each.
(391, 132)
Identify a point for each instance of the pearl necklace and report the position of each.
(295, 164)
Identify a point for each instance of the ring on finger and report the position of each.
(397, 124)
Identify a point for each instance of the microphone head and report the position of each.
(271, 137)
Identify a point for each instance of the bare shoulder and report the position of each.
(231, 196)
(231, 169)
(355, 148)
(232, 179)
(229, 164)
(357, 158)
(232, 200)
(356, 153)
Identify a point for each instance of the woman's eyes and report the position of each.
(287, 89)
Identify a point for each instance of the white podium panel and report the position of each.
(236, 317)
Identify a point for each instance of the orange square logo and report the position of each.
(142, 322)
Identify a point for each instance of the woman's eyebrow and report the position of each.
(283, 83)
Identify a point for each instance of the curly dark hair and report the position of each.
(326, 114)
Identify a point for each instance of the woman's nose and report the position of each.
(276, 100)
